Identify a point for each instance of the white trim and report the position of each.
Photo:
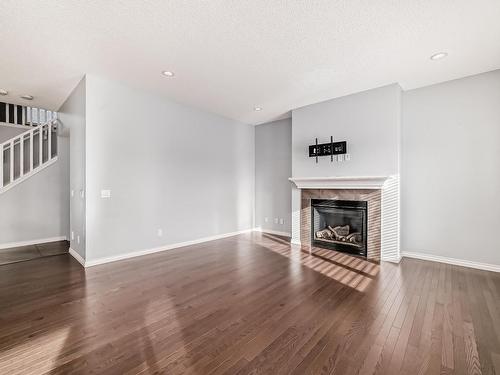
(343, 182)
(95, 262)
(31, 242)
(77, 256)
(28, 175)
(390, 221)
(270, 231)
(293, 242)
(453, 261)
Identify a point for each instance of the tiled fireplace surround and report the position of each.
(374, 199)
(382, 196)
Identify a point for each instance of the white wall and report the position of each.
(370, 123)
(168, 166)
(72, 117)
(192, 173)
(38, 208)
(451, 169)
(273, 167)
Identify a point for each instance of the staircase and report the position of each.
(30, 151)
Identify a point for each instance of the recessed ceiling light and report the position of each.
(3, 92)
(168, 73)
(257, 109)
(439, 56)
(27, 97)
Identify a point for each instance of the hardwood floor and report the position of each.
(29, 252)
(248, 304)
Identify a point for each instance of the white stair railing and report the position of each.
(24, 115)
(27, 153)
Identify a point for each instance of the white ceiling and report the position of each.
(229, 56)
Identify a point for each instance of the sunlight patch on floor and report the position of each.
(351, 271)
(39, 353)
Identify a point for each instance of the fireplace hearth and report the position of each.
(340, 225)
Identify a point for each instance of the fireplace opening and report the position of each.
(339, 225)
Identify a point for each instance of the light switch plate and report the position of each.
(106, 193)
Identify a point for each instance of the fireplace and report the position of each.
(340, 225)
(381, 194)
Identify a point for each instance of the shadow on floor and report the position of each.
(30, 252)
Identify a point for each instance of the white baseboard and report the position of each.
(276, 232)
(95, 262)
(391, 259)
(31, 242)
(296, 242)
(133, 254)
(77, 256)
(454, 261)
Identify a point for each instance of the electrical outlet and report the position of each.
(72, 193)
(266, 219)
(347, 157)
(77, 239)
(159, 232)
(282, 221)
(275, 220)
(72, 236)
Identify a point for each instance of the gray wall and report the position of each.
(273, 167)
(451, 169)
(72, 117)
(370, 123)
(38, 208)
(168, 166)
(7, 132)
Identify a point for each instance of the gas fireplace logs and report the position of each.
(339, 233)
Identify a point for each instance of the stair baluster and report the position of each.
(13, 171)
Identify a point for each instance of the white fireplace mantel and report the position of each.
(344, 182)
(389, 189)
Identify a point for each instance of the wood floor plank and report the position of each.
(249, 304)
